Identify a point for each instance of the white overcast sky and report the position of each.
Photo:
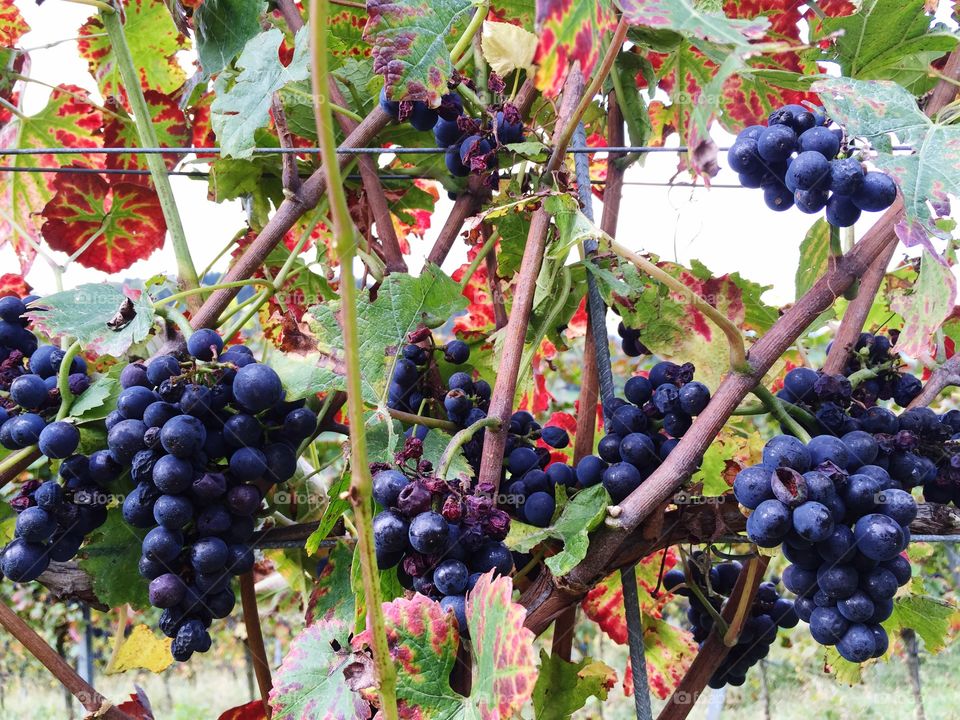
(727, 229)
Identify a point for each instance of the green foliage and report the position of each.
(563, 687)
(111, 557)
(223, 27)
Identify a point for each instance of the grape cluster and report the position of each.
(843, 523)
(441, 536)
(410, 383)
(630, 341)
(204, 438)
(794, 159)
(644, 428)
(28, 374)
(769, 612)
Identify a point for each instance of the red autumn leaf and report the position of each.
(138, 706)
(12, 25)
(119, 131)
(569, 30)
(11, 284)
(128, 215)
(68, 120)
(479, 318)
(252, 710)
(577, 327)
(201, 126)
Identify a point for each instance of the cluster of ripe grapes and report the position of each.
(410, 383)
(28, 374)
(630, 341)
(769, 612)
(529, 476)
(642, 430)
(794, 159)
(471, 143)
(842, 520)
(204, 437)
(441, 536)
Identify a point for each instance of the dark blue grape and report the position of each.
(204, 344)
(59, 440)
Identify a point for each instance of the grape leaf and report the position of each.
(409, 40)
(434, 446)
(814, 254)
(669, 651)
(100, 398)
(928, 176)
(888, 40)
(153, 40)
(312, 680)
(563, 687)
(929, 302)
(403, 303)
(12, 25)
(336, 507)
(67, 120)
(119, 130)
(929, 617)
(422, 639)
(686, 17)
(85, 311)
(111, 224)
(252, 710)
(242, 104)
(569, 30)
(581, 515)
(222, 28)
(110, 557)
(331, 596)
(508, 47)
(141, 649)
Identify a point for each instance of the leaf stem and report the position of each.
(461, 439)
(738, 353)
(193, 291)
(361, 483)
(481, 254)
(429, 422)
(171, 314)
(63, 380)
(776, 409)
(476, 22)
(143, 122)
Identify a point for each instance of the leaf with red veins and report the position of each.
(312, 681)
(252, 710)
(153, 40)
(12, 25)
(200, 126)
(68, 120)
(668, 651)
(12, 284)
(411, 42)
(569, 30)
(120, 131)
(129, 216)
(331, 592)
(479, 318)
(684, 16)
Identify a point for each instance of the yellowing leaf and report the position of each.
(141, 649)
(508, 47)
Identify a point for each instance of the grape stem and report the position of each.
(476, 22)
(491, 241)
(172, 315)
(738, 353)
(209, 288)
(361, 488)
(776, 408)
(15, 463)
(461, 439)
(424, 420)
(143, 121)
(63, 381)
(694, 588)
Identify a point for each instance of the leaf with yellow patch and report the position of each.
(142, 650)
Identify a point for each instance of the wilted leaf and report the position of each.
(12, 25)
(142, 649)
(563, 687)
(252, 710)
(928, 304)
(409, 40)
(113, 223)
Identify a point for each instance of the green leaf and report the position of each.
(929, 302)
(111, 558)
(390, 589)
(433, 447)
(222, 28)
(927, 616)
(306, 375)
(335, 509)
(563, 687)
(814, 255)
(85, 311)
(871, 109)
(581, 515)
(888, 40)
(711, 472)
(331, 597)
(409, 40)
(242, 108)
(841, 668)
(403, 303)
(311, 684)
(98, 400)
(689, 18)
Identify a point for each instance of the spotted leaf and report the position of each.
(110, 225)
(689, 18)
(169, 124)
(331, 594)
(563, 687)
(12, 25)
(569, 30)
(68, 120)
(669, 651)
(153, 40)
(313, 680)
(928, 303)
(411, 42)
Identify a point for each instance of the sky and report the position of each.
(729, 230)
